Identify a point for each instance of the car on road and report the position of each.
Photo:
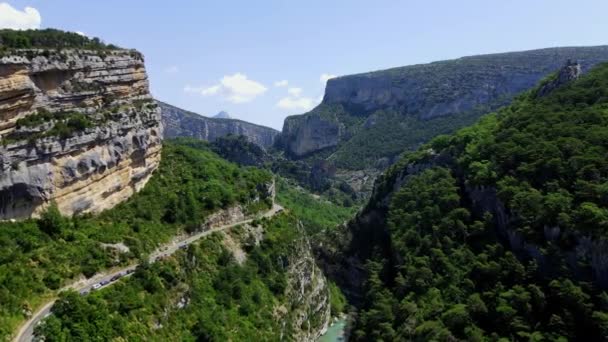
(130, 271)
(184, 246)
(84, 292)
(104, 282)
(97, 286)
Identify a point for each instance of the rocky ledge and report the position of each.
(77, 127)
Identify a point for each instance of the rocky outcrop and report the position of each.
(307, 293)
(222, 115)
(178, 122)
(78, 128)
(568, 73)
(469, 86)
(310, 133)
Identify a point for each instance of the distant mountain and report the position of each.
(178, 122)
(367, 120)
(222, 115)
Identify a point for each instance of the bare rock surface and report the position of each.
(93, 165)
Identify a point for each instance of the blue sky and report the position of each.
(208, 56)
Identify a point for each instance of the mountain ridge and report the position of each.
(179, 122)
(368, 119)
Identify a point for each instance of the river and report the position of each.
(335, 333)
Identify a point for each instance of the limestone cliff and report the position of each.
(78, 128)
(307, 295)
(182, 123)
(369, 119)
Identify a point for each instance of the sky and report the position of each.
(263, 60)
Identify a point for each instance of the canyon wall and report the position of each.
(77, 127)
(403, 107)
(182, 123)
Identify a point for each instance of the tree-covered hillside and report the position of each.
(497, 232)
(38, 257)
(200, 294)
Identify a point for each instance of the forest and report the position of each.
(497, 234)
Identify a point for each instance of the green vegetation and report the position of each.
(316, 213)
(450, 270)
(392, 134)
(237, 149)
(63, 125)
(199, 294)
(49, 39)
(39, 256)
(336, 299)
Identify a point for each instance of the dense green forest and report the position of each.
(497, 232)
(38, 257)
(49, 39)
(393, 133)
(200, 294)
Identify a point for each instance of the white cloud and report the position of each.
(211, 90)
(294, 91)
(12, 18)
(282, 83)
(81, 33)
(325, 77)
(293, 103)
(235, 88)
(296, 102)
(172, 69)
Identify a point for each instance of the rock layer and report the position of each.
(93, 165)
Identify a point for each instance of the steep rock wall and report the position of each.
(307, 293)
(78, 128)
(469, 86)
(181, 123)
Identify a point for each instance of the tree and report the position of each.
(51, 222)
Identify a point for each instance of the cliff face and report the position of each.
(307, 293)
(379, 114)
(78, 128)
(181, 123)
(308, 133)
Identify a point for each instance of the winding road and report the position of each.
(26, 332)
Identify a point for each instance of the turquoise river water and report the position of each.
(335, 333)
